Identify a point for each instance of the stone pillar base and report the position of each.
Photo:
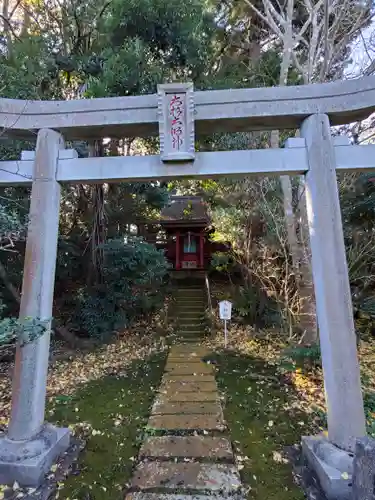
(28, 461)
(332, 466)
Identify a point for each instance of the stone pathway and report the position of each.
(187, 455)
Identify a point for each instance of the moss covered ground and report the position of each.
(110, 414)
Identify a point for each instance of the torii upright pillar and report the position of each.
(332, 457)
(31, 446)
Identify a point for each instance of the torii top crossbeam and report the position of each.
(216, 110)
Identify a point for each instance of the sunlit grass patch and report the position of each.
(263, 418)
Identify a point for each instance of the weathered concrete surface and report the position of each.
(184, 357)
(27, 462)
(184, 396)
(332, 466)
(188, 446)
(182, 386)
(364, 469)
(338, 342)
(186, 408)
(30, 447)
(187, 422)
(191, 476)
(229, 110)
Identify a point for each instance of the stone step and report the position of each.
(188, 382)
(191, 314)
(187, 310)
(188, 368)
(185, 356)
(198, 349)
(175, 423)
(161, 496)
(187, 447)
(190, 319)
(182, 304)
(196, 319)
(191, 327)
(180, 297)
(198, 297)
(191, 302)
(190, 297)
(188, 408)
(198, 334)
(191, 334)
(173, 378)
(194, 306)
(191, 351)
(222, 478)
(192, 339)
(194, 331)
(197, 294)
(185, 396)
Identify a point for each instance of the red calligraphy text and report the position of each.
(176, 111)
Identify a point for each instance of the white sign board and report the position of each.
(225, 309)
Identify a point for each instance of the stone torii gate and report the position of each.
(30, 445)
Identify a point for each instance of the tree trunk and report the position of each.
(9, 285)
(98, 233)
(6, 26)
(299, 248)
(26, 21)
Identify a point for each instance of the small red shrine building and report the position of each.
(187, 226)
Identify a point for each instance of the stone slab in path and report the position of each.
(188, 368)
(187, 446)
(158, 496)
(198, 377)
(186, 408)
(187, 422)
(184, 356)
(187, 476)
(184, 397)
(198, 349)
(171, 386)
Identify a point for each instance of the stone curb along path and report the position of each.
(188, 457)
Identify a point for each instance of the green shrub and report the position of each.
(302, 357)
(221, 261)
(24, 330)
(251, 304)
(133, 277)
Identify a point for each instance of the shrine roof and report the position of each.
(185, 210)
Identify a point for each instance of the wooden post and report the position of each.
(178, 250)
(30, 447)
(201, 249)
(346, 420)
